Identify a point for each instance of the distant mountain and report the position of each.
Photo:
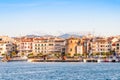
(67, 35)
(32, 36)
(48, 35)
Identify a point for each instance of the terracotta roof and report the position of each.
(27, 39)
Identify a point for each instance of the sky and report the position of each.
(22, 17)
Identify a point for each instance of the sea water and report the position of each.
(59, 71)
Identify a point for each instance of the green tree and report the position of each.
(68, 55)
(84, 55)
(108, 53)
(75, 54)
(22, 54)
(31, 55)
(3, 54)
(13, 54)
(58, 55)
(40, 55)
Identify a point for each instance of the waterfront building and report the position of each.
(101, 45)
(6, 45)
(72, 46)
(40, 45)
(25, 45)
(80, 49)
(117, 47)
(48, 45)
(58, 43)
(6, 39)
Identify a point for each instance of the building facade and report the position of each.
(71, 46)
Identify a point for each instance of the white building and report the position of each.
(47, 45)
(117, 47)
(100, 45)
(80, 49)
(6, 48)
(7, 45)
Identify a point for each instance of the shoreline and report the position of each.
(60, 60)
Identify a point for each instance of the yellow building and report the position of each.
(71, 45)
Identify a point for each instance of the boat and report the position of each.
(99, 60)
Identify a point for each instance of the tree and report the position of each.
(108, 53)
(75, 54)
(57, 55)
(68, 55)
(40, 55)
(13, 54)
(79, 54)
(31, 55)
(22, 54)
(85, 55)
(3, 54)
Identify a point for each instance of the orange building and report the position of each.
(71, 45)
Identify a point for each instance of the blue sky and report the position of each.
(21, 17)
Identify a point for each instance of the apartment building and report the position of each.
(6, 45)
(40, 45)
(25, 45)
(59, 43)
(48, 45)
(100, 45)
(117, 47)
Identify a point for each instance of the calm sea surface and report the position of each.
(59, 71)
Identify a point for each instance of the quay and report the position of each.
(39, 60)
(75, 60)
(98, 60)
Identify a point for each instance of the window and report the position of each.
(0, 39)
(50, 44)
(57, 44)
(117, 44)
(71, 49)
(117, 48)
